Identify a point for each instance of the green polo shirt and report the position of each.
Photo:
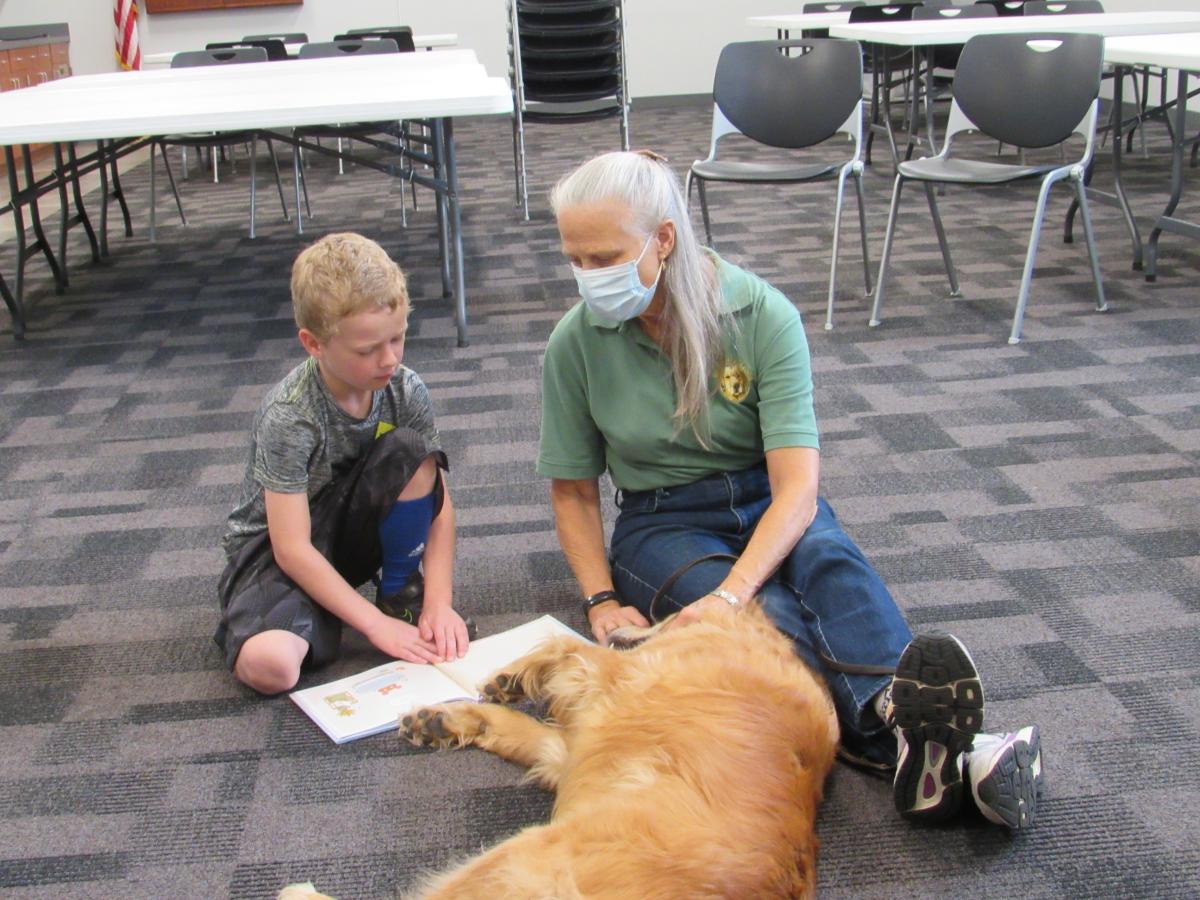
(608, 395)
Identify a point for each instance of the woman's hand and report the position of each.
(611, 615)
(694, 612)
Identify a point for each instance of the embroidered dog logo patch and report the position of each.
(734, 381)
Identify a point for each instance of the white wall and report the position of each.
(673, 44)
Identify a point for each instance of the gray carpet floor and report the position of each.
(1041, 501)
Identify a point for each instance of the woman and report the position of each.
(688, 380)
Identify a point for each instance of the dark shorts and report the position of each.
(257, 596)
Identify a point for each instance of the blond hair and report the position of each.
(695, 321)
(340, 275)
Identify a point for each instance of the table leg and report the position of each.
(1118, 182)
(14, 309)
(35, 217)
(1119, 196)
(460, 282)
(439, 154)
(81, 216)
(1179, 139)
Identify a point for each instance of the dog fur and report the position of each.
(690, 766)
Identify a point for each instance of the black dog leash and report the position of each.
(835, 665)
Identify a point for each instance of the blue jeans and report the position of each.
(825, 596)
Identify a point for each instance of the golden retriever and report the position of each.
(690, 766)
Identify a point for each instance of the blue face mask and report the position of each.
(616, 293)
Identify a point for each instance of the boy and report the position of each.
(345, 476)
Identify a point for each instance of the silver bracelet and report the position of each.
(728, 596)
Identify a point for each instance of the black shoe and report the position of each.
(405, 604)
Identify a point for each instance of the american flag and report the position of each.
(125, 14)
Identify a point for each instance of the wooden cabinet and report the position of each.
(169, 6)
(31, 55)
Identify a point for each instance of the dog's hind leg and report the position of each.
(535, 864)
(507, 733)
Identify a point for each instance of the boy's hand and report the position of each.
(445, 629)
(401, 640)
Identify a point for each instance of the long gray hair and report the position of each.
(693, 320)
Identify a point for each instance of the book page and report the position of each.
(372, 701)
(488, 654)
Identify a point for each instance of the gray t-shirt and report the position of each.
(302, 439)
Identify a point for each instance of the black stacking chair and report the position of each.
(372, 133)
(566, 65)
(1029, 90)
(288, 37)
(215, 141)
(792, 101)
(944, 57)
(275, 48)
(820, 7)
(1004, 7)
(890, 67)
(401, 34)
(1058, 7)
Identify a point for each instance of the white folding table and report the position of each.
(1169, 51)
(815, 21)
(273, 97)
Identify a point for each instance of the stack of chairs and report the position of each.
(566, 65)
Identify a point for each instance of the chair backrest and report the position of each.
(401, 34)
(344, 47)
(788, 101)
(978, 11)
(1055, 7)
(220, 57)
(273, 46)
(1028, 90)
(1004, 7)
(831, 7)
(892, 12)
(288, 37)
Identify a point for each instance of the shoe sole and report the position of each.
(1008, 793)
(937, 703)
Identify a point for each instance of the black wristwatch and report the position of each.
(600, 597)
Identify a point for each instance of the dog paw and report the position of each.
(441, 726)
(304, 891)
(503, 688)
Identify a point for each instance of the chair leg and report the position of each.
(253, 179)
(516, 163)
(1093, 256)
(279, 183)
(298, 178)
(862, 227)
(940, 230)
(171, 180)
(887, 250)
(837, 232)
(704, 213)
(153, 195)
(1030, 255)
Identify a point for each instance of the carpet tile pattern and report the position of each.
(1041, 501)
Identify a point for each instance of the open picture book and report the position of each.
(372, 701)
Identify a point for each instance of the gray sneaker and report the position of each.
(1005, 771)
(936, 708)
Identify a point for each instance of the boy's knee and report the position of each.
(270, 662)
(423, 480)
